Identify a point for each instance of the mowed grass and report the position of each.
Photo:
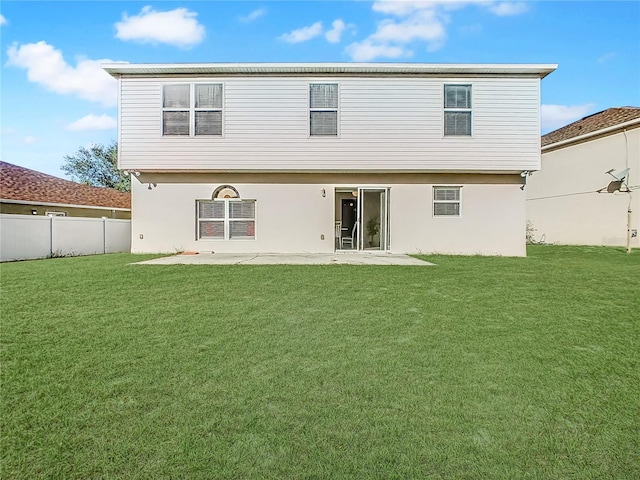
(475, 368)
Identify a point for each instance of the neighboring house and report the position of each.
(27, 192)
(321, 157)
(571, 200)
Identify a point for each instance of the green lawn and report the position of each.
(475, 368)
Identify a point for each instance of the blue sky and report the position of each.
(55, 98)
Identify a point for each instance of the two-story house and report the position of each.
(273, 157)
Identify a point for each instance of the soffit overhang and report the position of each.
(337, 69)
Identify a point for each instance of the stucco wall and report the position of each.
(562, 203)
(292, 215)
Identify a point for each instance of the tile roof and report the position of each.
(592, 123)
(19, 183)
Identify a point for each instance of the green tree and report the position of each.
(97, 166)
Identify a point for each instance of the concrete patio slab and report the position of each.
(287, 259)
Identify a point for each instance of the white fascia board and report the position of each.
(119, 69)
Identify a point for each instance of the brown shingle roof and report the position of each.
(19, 183)
(592, 123)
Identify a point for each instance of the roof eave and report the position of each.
(596, 133)
(119, 69)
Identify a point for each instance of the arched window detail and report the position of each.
(225, 191)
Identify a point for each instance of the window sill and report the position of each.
(224, 240)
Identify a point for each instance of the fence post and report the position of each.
(50, 235)
(104, 235)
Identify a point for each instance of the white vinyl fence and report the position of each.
(25, 237)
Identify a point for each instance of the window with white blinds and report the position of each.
(226, 219)
(192, 109)
(323, 109)
(446, 201)
(457, 110)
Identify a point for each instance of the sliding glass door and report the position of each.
(373, 219)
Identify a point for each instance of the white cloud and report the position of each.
(407, 7)
(46, 66)
(416, 23)
(29, 140)
(253, 15)
(424, 25)
(411, 21)
(367, 50)
(504, 9)
(556, 116)
(3, 21)
(401, 7)
(607, 57)
(303, 34)
(177, 27)
(93, 122)
(339, 27)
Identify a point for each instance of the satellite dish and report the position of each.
(619, 176)
(614, 186)
(619, 180)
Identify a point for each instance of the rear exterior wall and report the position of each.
(388, 124)
(293, 215)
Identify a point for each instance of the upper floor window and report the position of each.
(446, 201)
(192, 109)
(323, 109)
(457, 110)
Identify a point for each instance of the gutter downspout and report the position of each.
(626, 145)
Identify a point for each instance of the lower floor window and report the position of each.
(227, 219)
(446, 201)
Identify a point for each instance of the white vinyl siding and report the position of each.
(446, 201)
(187, 115)
(226, 219)
(457, 110)
(385, 124)
(323, 109)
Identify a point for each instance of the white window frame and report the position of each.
(192, 109)
(312, 110)
(458, 201)
(456, 109)
(226, 219)
(51, 213)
